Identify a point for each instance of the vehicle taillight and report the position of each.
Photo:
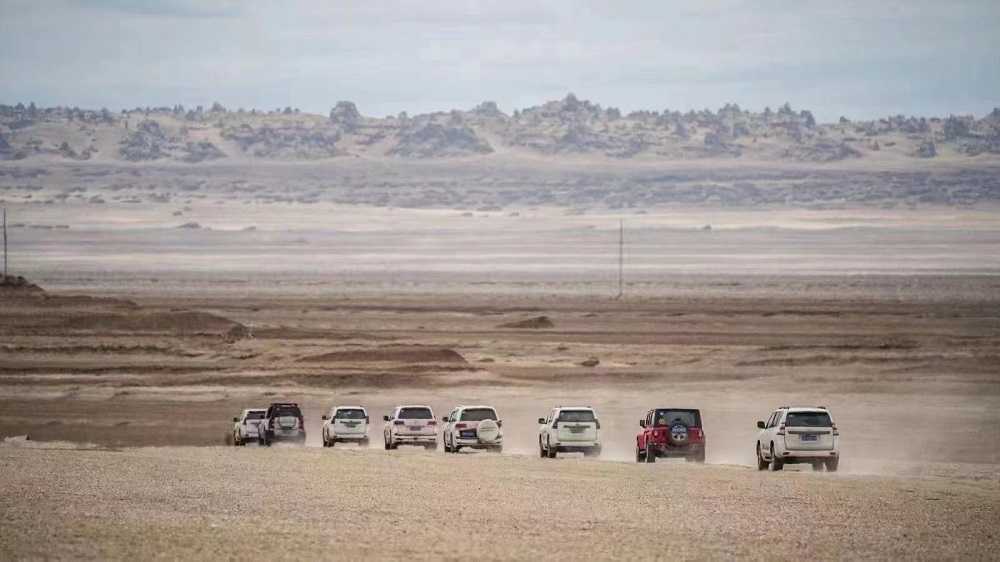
(461, 426)
(432, 422)
(696, 432)
(781, 429)
(271, 423)
(398, 422)
(597, 424)
(302, 423)
(835, 430)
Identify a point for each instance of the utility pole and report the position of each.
(5, 240)
(621, 257)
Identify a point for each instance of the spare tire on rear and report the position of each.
(488, 431)
(678, 435)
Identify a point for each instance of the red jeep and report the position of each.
(671, 432)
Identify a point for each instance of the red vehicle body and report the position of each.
(671, 432)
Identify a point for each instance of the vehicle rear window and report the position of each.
(808, 419)
(287, 411)
(258, 415)
(577, 416)
(415, 414)
(479, 414)
(690, 418)
(354, 414)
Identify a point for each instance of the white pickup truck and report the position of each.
(246, 426)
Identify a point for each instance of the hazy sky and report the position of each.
(859, 58)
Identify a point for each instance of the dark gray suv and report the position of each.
(283, 422)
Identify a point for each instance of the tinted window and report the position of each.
(285, 411)
(415, 414)
(577, 416)
(353, 414)
(258, 415)
(808, 419)
(691, 418)
(479, 414)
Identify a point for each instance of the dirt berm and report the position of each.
(400, 354)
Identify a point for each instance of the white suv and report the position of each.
(346, 424)
(799, 435)
(472, 427)
(246, 426)
(410, 425)
(569, 430)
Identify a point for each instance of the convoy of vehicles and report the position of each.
(792, 435)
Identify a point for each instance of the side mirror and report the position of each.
(235, 420)
(444, 419)
(760, 425)
(541, 420)
(367, 419)
(499, 423)
(385, 418)
(642, 423)
(324, 418)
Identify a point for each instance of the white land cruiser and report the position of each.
(246, 426)
(569, 430)
(472, 427)
(346, 424)
(798, 435)
(410, 425)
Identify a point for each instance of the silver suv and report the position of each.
(283, 422)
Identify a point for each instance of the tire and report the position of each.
(549, 450)
(650, 454)
(699, 457)
(761, 463)
(431, 447)
(595, 453)
(817, 466)
(388, 447)
(447, 447)
(640, 455)
(776, 463)
(364, 443)
(541, 450)
(832, 465)
(498, 449)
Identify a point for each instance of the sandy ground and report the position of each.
(127, 391)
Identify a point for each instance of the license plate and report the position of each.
(467, 434)
(576, 430)
(415, 428)
(810, 437)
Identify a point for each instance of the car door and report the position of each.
(387, 429)
(767, 434)
(645, 431)
(543, 430)
(449, 426)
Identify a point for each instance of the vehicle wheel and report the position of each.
(332, 442)
(817, 466)
(447, 447)
(548, 449)
(594, 453)
(387, 446)
(364, 443)
(832, 464)
(640, 455)
(650, 454)
(776, 463)
(236, 441)
(498, 450)
(431, 447)
(541, 450)
(700, 457)
(456, 448)
(761, 463)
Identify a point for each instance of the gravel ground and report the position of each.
(59, 501)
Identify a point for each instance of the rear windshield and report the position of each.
(354, 414)
(287, 411)
(479, 414)
(256, 415)
(577, 416)
(808, 419)
(415, 414)
(690, 418)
